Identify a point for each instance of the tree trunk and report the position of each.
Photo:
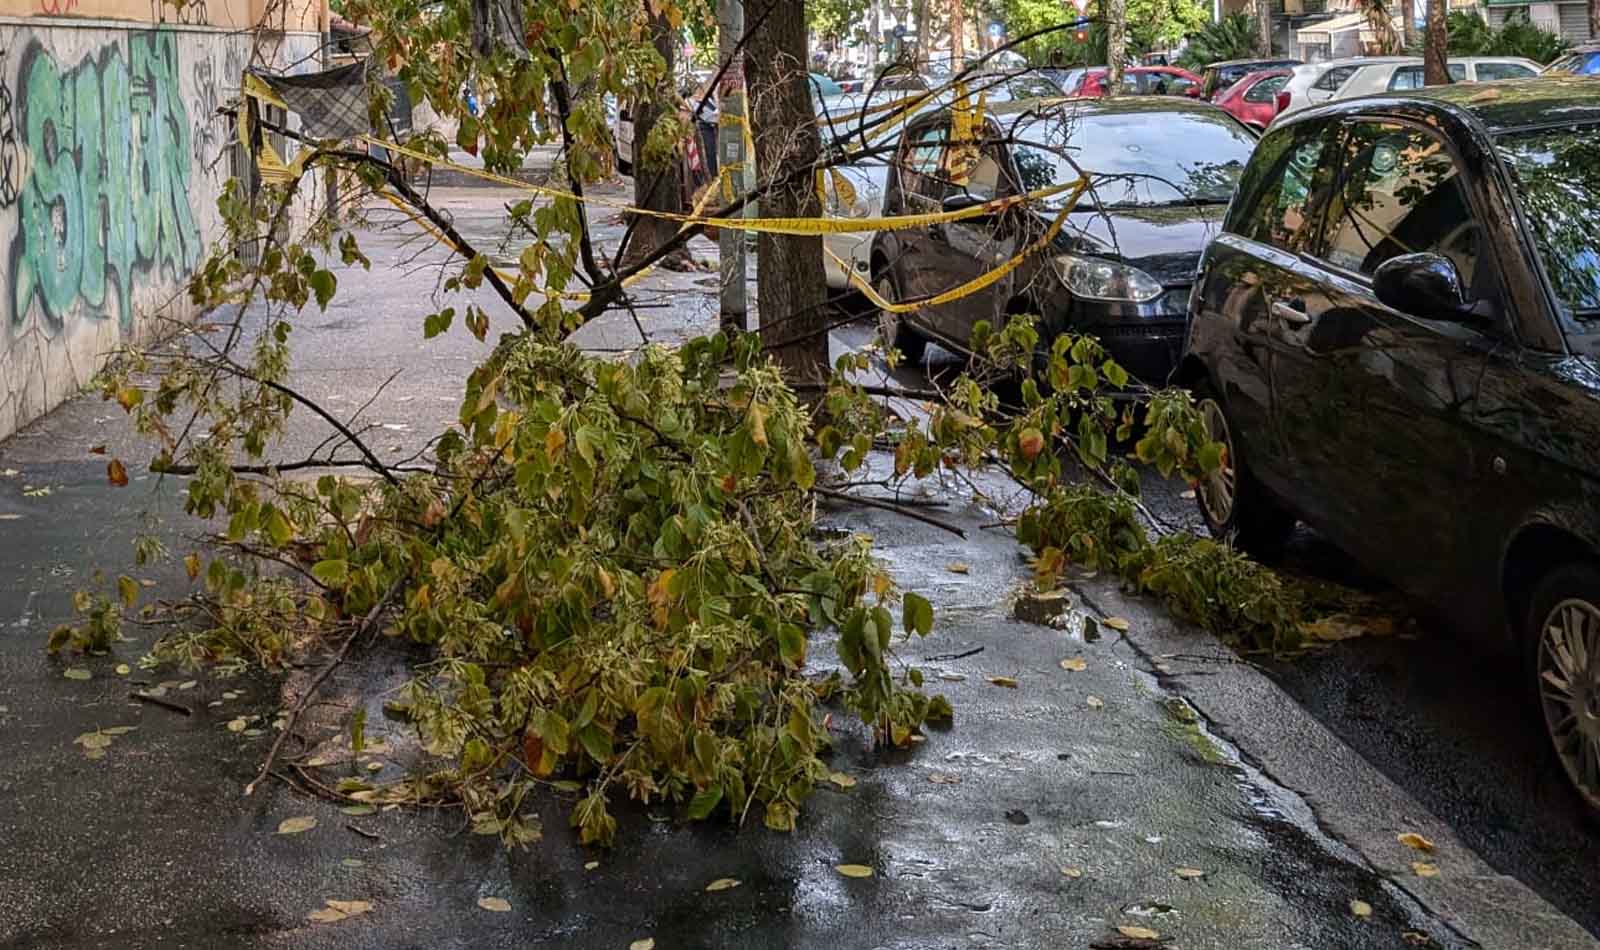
(1436, 46)
(1116, 14)
(1264, 23)
(1594, 19)
(958, 36)
(790, 291)
(657, 186)
(1408, 25)
(923, 12)
(875, 37)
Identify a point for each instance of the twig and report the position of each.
(941, 657)
(178, 708)
(363, 832)
(891, 506)
(322, 675)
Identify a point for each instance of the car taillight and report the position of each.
(1283, 99)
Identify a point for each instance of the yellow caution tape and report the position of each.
(977, 283)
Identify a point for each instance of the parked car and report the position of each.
(1314, 83)
(1583, 60)
(1397, 339)
(1405, 76)
(1253, 100)
(1139, 80)
(1122, 266)
(1219, 76)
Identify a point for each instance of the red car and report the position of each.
(1139, 80)
(1253, 100)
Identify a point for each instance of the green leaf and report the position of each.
(792, 645)
(596, 742)
(1210, 457)
(704, 802)
(917, 614)
(331, 573)
(1114, 373)
(278, 528)
(128, 590)
(323, 284)
(436, 323)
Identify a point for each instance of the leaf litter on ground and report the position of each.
(339, 910)
(297, 825)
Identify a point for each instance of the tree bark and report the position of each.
(1436, 46)
(923, 11)
(958, 36)
(1264, 22)
(656, 185)
(1408, 25)
(1116, 13)
(790, 289)
(1594, 19)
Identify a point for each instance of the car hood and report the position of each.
(1164, 242)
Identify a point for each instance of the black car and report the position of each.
(1397, 339)
(1219, 76)
(1122, 265)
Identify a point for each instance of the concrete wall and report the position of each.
(111, 161)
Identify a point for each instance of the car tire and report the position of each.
(1565, 608)
(1234, 505)
(893, 330)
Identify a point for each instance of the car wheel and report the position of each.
(1234, 506)
(893, 330)
(1563, 629)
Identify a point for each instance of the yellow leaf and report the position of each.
(1424, 869)
(853, 870)
(1074, 664)
(608, 587)
(842, 780)
(758, 425)
(1138, 933)
(1189, 874)
(497, 904)
(591, 865)
(1073, 872)
(123, 669)
(1095, 702)
(1116, 623)
(554, 441)
(1413, 840)
(293, 826)
(338, 910)
(116, 473)
(191, 564)
(956, 567)
(1005, 681)
(648, 943)
(236, 725)
(1361, 908)
(722, 884)
(944, 778)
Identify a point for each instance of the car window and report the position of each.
(1266, 90)
(1398, 192)
(1281, 192)
(1406, 77)
(985, 180)
(1557, 173)
(921, 173)
(1130, 83)
(1489, 72)
(1334, 78)
(1172, 84)
(1137, 158)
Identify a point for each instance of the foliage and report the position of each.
(1152, 25)
(1471, 35)
(1235, 36)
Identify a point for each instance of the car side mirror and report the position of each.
(1422, 285)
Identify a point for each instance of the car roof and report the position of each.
(1120, 105)
(1522, 103)
(1225, 63)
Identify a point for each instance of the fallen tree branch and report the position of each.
(891, 506)
(322, 675)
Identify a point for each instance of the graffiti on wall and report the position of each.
(104, 201)
(10, 153)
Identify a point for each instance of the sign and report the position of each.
(732, 83)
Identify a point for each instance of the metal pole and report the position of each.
(732, 158)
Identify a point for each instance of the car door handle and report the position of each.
(1291, 312)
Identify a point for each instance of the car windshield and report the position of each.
(1558, 177)
(1137, 158)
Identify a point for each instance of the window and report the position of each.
(984, 180)
(1489, 72)
(920, 172)
(1399, 192)
(1557, 172)
(1280, 194)
(1266, 90)
(1334, 78)
(1406, 77)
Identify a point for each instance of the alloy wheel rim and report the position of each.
(888, 322)
(1569, 690)
(1217, 491)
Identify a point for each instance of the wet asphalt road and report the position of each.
(1445, 719)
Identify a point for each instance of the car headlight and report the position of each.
(1099, 279)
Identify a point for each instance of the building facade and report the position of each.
(112, 158)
